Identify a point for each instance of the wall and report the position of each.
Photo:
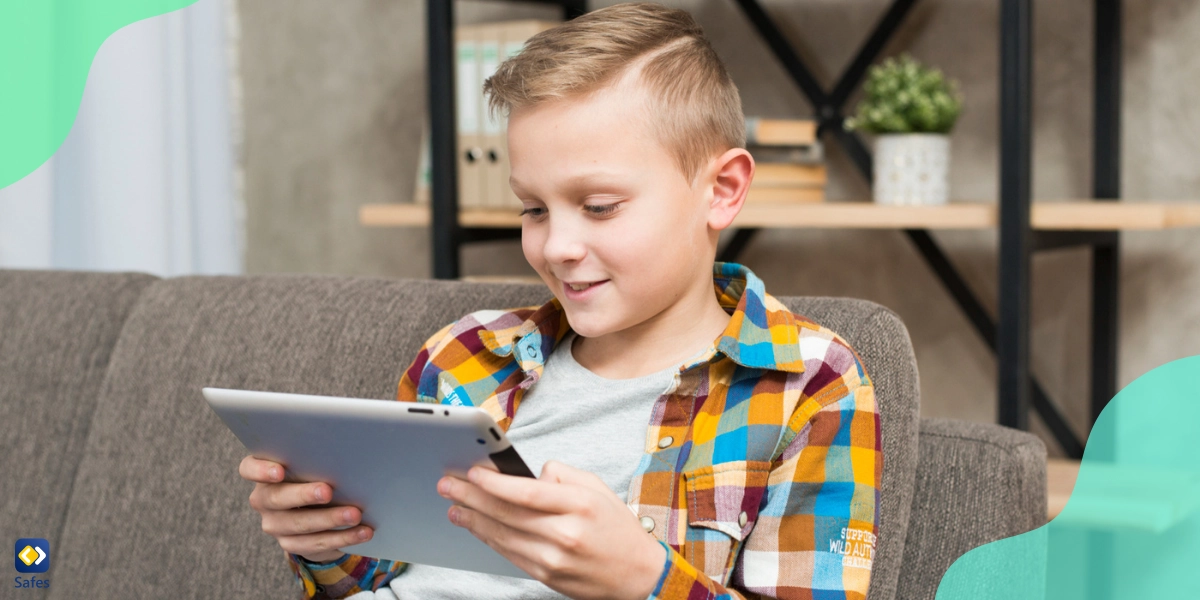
(335, 95)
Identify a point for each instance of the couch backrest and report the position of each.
(158, 507)
(57, 331)
(975, 483)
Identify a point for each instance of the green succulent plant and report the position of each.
(903, 96)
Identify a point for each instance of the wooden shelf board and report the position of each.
(1092, 215)
(1060, 480)
(1081, 215)
(866, 215)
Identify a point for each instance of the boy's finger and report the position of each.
(500, 536)
(300, 522)
(258, 470)
(284, 496)
(561, 472)
(314, 543)
(522, 548)
(564, 473)
(543, 496)
(472, 496)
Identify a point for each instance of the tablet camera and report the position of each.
(480, 440)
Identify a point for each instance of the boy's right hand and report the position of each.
(307, 532)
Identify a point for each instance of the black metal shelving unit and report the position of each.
(1009, 334)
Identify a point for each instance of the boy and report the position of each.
(759, 469)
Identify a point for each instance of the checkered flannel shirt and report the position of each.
(762, 461)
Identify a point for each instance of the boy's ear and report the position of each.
(731, 175)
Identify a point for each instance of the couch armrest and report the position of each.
(975, 483)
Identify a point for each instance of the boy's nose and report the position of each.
(564, 244)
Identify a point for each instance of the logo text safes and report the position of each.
(31, 555)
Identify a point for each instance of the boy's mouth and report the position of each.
(581, 290)
(580, 286)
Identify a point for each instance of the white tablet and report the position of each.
(384, 457)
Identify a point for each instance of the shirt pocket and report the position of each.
(722, 498)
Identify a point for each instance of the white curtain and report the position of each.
(145, 181)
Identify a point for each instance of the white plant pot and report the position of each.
(912, 168)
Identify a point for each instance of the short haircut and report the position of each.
(694, 110)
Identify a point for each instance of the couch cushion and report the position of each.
(159, 486)
(975, 483)
(57, 330)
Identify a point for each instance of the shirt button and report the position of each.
(648, 524)
(667, 441)
(532, 352)
(742, 519)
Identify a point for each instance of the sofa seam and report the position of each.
(87, 430)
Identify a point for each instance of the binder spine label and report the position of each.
(468, 97)
(489, 53)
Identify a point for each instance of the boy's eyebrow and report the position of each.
(575, 181)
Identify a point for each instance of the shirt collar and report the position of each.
(762, 333)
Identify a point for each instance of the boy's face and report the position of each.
(604, 201)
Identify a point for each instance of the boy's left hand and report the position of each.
(566, 529)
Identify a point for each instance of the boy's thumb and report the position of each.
(563, 473)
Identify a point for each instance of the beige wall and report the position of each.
(334, 97)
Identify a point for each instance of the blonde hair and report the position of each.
(693, 110)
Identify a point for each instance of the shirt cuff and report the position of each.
(341, 578)
(669, 584)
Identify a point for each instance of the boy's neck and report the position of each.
(666, 340)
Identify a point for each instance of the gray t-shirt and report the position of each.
(576, 417)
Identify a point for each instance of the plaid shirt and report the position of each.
(762, 461)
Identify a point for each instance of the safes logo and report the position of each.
(32, 555)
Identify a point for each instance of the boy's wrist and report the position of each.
(651, 569)
(323, 559)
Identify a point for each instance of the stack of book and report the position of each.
(483, 166)
(789, 164)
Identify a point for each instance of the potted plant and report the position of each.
(910, 109)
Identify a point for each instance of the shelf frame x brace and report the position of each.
(828, 108)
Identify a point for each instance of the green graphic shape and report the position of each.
(46, 50)
(1131, 528)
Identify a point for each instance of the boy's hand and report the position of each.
(303, 531)
(567, 529)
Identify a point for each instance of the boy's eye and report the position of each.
(600, 209)
(596, 209)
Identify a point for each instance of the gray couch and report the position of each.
(110, 453)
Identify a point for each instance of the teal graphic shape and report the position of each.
(1131, 528)
(46, 50)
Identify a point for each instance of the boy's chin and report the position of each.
(583, 326)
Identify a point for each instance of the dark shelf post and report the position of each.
(1106, 185)
(1012, 333)
(1106, 257)
(444, 228)
(573, 8)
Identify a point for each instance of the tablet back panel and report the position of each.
(384, 457)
